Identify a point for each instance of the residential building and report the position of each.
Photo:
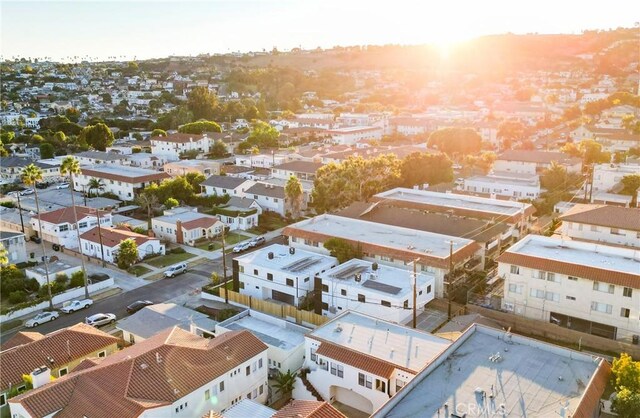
(603, 224)
(239, 213)
(175, 373)
(261, 160)
(471, 373)
(512, 185)
(361, 361)
(172, 146)
(358, 119)
(607, 177)
(59, 351)
(278, 272)
(14, 244)
(387, 244)
(182, 167)
(146, 160)
(284, 339)
(11, 169)
(535, 162)
(620, 141)
(270, 197)
(588, 287)
(183, 225)
(221, 185)
(243, 409)
(372, 289)
(59, 226)
(354, 134)
(156, 318)
(15, 220)
(411, 125)
(54, 268)
(124, 182)
(299, 408)
(99, 157)
(104, 243)
(303, 170)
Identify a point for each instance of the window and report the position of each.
(207, 395)
(325, 288)
(361, 298)
(400, 384)
(616, 231)
(290, 282)
(571, 298)
(551, 277)
(515, 288)
(241, 285)
(248, 370)
(261, 389)
(269, 276)
(381, 385)
(259, 363)
(594, 228)
(624, 312)
(63, 228)
(3, 399)
(627, 292)
(601, 307)
(21, 388)
(385, 303)
(255, 272)
(337, 370)
(428, 289)
(405, 304)
(603, 287)
(574, 279)
(63, 371)
(82, 225)
(313, 354)
(325, 306)
(343, 292)
(102, 354)
(241, 269)
(515, 269)
(554, 297)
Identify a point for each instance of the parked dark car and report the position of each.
(56, 247)
(97, 277)
(136, 306)
(35, 239)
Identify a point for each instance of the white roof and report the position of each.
(248, 408)
(285, 336)
(121, 170)
(581, 253)
(350, 129)
(396, 344)
(301, 263)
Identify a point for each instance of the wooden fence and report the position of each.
(287, 312)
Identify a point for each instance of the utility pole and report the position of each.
(104, 264)
(591, 184)
(20, 212)
(224, 269)
(415, 293)
(449, 287)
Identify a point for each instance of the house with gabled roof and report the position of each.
(104, 243)
(59, 226)
(184, 225)
(171, 146)
(602, 223)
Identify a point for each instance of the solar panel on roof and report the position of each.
(372, 284)
(349, 272)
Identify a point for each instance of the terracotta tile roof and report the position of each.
(66, 215)
(604, 215)
(112, 237)
(62, 346)
(152, 373)
(204, 222)
(139, 178)
(577, 270)
(22, 337)
(308, 409)
(178, 138)
(299, 166)
(543, 157)
(356, 359)
(595, 388)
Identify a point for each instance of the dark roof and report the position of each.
(7, 235)
(224, 182)
(239, 202)
(299, 166)
(604, 215)
(22, 162)
(261, 189)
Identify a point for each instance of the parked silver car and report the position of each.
(176, 269)
(100, 319)
(41, 318)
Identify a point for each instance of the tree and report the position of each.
(202, 103)
(456, 141)
(70, 166)
(98, 136)
(60, 137)
(342, 250)
(284, 382)
(148, 201)
(47, 150)
(509, 132)
(11, 279)
(127, 253)
(631, 184)
(195, 179)
(218, 149)
(171, 203)
(592, 152)
(4, 255)
(106, 98)
(158, 132)
(31, 175)
(95, 184)
(420, 168)
(626, 382)
(199, 127)
(263, 135)
(294, 194)
(556, 178)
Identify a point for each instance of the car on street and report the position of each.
(76, 305)
(137, 305)
(41, 318)
(100, 319)
(62, 186)
(176, 269)
(241, 247)
(27, 192)
(257, 241)
(35, 239)
(98, 277)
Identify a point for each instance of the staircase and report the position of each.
(310, 388)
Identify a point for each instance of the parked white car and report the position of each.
(176, 269)
(76, 305)
(100, 319)
(241, 247)
(41, 318)
(62, 186)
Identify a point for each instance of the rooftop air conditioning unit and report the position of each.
(332, 309)
(358, 277)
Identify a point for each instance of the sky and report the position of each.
(153, 29)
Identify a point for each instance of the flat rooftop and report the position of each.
(285, 337)
(384, 281)
(383, 340)
(121, 170)
(530, 378)
(54, 268)
(454, 201)
(504, 180)
(581, 253)
(301, 263)
(390, 236)
(349, 129)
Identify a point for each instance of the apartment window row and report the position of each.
(337, 370)
(181, 407)
(601, 307)
(603, 287)
(541, 294)
(544, 275)
(367, 381)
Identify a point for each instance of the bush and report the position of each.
(32, 285)
(18, 296)
(178, 250)
(43, 292)
(77, 280)
(8, 204)
(11, 279)
(62, 279)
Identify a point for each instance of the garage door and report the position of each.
(282, 297)
(352, 399)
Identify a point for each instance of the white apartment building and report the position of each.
(387, 244)
(588, 287)
(362, 361)
(171, 146)
(517, 186)
(221, 185)
(261, 160)
(534, 162)
(125, 182)
(99, 157)
(373, 289)
(303, 170)
(353, 134)
(59, 226)
(106, 241)
(183, 167)
(154, 379)
(14, 243)
(608, 176)
(601, 223)
(411, 126)
(281, 273)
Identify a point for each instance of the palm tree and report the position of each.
(71, 166)
(148, 201)
(96, 184)
(284, 383)
(294, 193)
(30, 176)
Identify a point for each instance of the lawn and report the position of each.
(138, 270)
(230, 240)
(169, 259)
(269, 222)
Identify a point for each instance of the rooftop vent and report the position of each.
(144, 366)
(338, 328)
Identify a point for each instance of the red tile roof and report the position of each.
(204, 222)
(66, 215)
(308, 409)
(358, 360)
(178, 138)
(112, 237)
(63, 347)
(604, 215)
(22, 337)
(152, 373)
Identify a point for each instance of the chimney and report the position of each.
(40, 376)
(179, 234)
